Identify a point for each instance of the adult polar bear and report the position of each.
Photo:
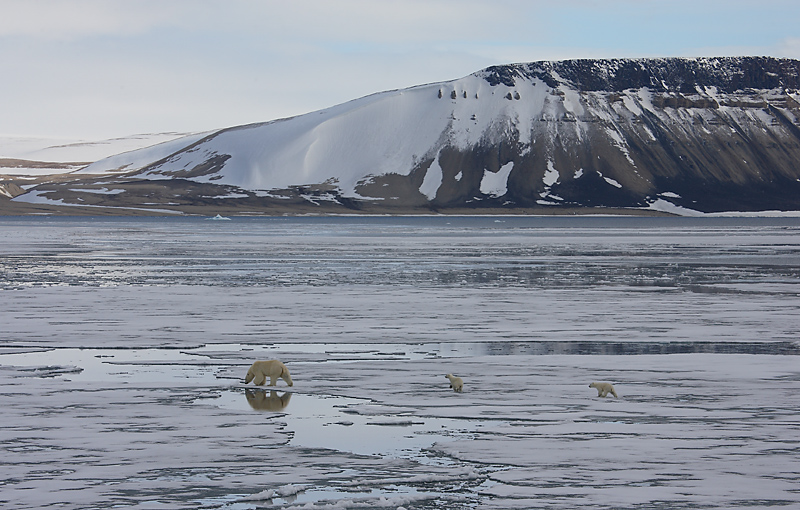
(260, 370)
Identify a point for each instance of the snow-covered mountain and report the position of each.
(678, 135)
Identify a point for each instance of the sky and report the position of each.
(98, 69)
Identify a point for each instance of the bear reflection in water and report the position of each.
(261, 401)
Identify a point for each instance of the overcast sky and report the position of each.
(97, 69)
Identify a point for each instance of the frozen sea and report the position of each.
(124, 343)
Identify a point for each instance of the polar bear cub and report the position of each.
(603, 389)
(260, 370)
(456, 383)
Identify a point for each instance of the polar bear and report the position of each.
(260, 370)
(455, 382)
(260, 401)
(603, 389)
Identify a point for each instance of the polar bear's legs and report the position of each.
(286, 377)
(608, 389)
(260, 380)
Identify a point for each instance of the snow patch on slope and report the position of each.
(73, 150)
(551, 175)
(496, 184)
(666, 206)
(433, 179)
(136, 159)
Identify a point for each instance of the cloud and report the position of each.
(329, 22)
(116, 67)
(70, 19)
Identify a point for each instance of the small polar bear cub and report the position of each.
(260, 370)
(456, 383)
(603, 389)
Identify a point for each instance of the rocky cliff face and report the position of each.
(705, 134)
(674, 135)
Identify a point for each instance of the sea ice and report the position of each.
(125, 345)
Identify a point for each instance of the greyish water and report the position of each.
(125, 340)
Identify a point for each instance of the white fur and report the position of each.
(260, 370)
(455, 382)
(603, 389)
